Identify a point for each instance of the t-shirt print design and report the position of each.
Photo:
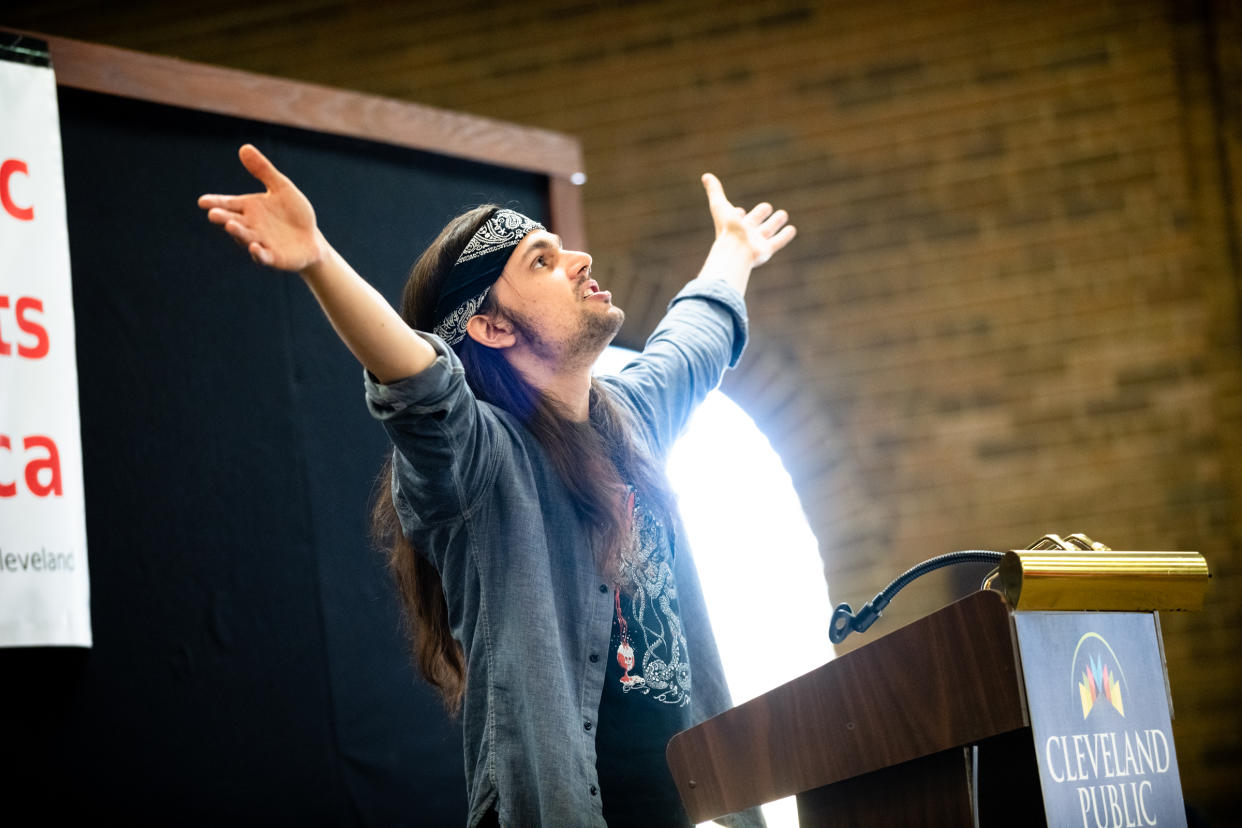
(651, 636)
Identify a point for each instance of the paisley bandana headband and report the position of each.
(476, 270)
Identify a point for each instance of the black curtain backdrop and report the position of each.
(249, 665)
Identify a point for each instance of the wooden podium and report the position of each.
(881, 735)
(932, 723)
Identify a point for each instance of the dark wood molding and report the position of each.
(565, 209)
(232, 92)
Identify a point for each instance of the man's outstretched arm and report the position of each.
(278, 229)
(743, 240)
(705, 329)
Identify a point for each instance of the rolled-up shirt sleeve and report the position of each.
(445, 440)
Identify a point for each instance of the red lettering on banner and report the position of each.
(31, 327)
(51, 463)
(35, 466)
(7, 169)
(6, 489)
(26, 305)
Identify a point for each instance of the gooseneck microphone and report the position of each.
(846, 621)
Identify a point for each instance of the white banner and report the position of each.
(44, 584)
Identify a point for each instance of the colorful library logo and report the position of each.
(1096, 675)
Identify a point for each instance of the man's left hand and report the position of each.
(761, 232)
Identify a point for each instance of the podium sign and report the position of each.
(1100, 717)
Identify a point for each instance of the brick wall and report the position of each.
(1013, 304)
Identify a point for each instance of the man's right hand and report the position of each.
(277, 227)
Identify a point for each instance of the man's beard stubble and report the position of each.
(594, 334)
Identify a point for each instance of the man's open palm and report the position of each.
(277, 227)
(763, 230)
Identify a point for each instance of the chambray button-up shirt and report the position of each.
(476, 495)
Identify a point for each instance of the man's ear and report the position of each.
(494, 330)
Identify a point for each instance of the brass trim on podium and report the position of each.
(1103, 579)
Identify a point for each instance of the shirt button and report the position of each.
(603, 587)
(586, 725)
(594, 658)
(594, 790)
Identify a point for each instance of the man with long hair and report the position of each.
(551, 594)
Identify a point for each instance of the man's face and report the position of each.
(557, 309)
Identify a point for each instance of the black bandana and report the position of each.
(477, 269)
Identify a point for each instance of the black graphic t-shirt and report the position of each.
(647, 685)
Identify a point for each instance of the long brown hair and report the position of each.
(596, 460)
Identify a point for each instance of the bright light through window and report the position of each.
(757, 557)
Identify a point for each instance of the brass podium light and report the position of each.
(1077, 573)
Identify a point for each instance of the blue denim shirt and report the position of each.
(526, 599)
